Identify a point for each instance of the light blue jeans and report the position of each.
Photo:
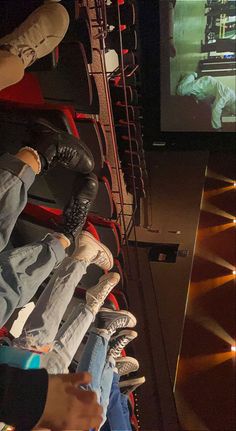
(100, 365)
(22, 270)
(41, 327)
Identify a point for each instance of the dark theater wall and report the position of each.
(205, 386)
(206, 383)
(158, 294)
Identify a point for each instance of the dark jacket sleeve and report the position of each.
(22, 396)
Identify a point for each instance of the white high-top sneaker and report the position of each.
(96, 295)
(91, 250)
(39, 34)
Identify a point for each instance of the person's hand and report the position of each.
(68, 407)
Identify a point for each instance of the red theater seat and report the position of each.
(26, 91)
(121, 299)
(132, 171)
(123, 130)
(90, 133)
(124, 144)
(82, 29)
(129, 40)
(103, 204)
(70, 82)
(103, 138)
(94, 107)
(129, 58)
(127, 14)
(120, 112)
(129, 157)
(118, 95)
(107, 172)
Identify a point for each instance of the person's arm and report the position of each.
(23, 395)
(32, 399)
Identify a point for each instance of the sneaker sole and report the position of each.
(103, 247)
(127, 313)
(126, 333)
(139, 381)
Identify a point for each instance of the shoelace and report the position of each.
(119, 345)
(66, 154)
(101, 295)
(120, 322)
(75, 215)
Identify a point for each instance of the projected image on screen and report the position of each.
(199, 40)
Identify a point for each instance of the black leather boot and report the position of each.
(76, 211)
(55, 146)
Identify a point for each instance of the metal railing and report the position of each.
(127, 209)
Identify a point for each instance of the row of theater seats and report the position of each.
(125, 84)
(60, 89)
(125, 20)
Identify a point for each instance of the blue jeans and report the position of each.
(22, 270)
(100, 365)
(68, 340)
(41, 327)
(118, 417)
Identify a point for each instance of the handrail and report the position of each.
(127, 221)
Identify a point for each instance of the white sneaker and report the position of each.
(91, 250)
(126, 365)
(96, 295)
(39, 34)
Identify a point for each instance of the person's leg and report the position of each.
(118, 411)
(11, 69)
(68, 340)
(17, 173)
(94, 357)
(125, 409)
(42, 325)
(185, 86)
(36, 37)
(72, 332)
(110, 393)
(23, 270)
